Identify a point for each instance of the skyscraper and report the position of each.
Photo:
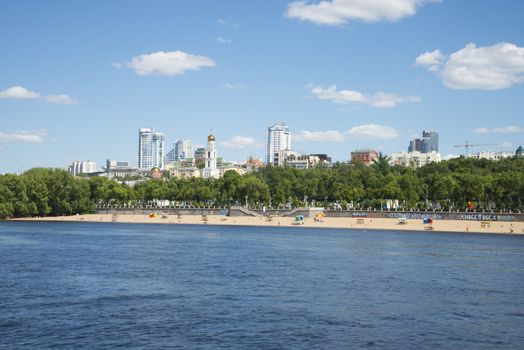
(429, 141)
(415, 145)
(183, 150)
(150, 149)
(278, 139)
(171, 156)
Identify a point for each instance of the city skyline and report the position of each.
(81, 78)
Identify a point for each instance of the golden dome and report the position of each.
(155, 170)
(211, 137)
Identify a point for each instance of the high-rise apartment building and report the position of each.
(150, 148)
(183, 150)
(415, 145)
(170, 156)
(428, 143)
(278, 139)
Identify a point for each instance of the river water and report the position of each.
(104, 286)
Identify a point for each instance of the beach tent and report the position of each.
(299, 220)
(427, 221)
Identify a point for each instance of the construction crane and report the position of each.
(467, 145)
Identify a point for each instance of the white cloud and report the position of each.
(484, 68)
(18, 92)
(61, 99)
(503, 130)
(482, 130)
(509, 129)
(168, 63)
(319, 136)
(235, 86)
(380, 99)
(24, 136)
(339, 12)
(431, 60)
(222, 40)
(223, 22)
(373, 132)
(506, 144)
(241, 142)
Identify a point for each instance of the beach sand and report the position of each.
(327, 222)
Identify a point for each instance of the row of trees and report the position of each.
(453, 184)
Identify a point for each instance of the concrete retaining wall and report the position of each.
(310, 212)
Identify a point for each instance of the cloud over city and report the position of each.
(380, 99)
(340, 12)
(21, 93)
(365, 132)
(241, 142)
(495, 67)
(373, 132)
(168, 63)
(503, 130)
(224, 22)
(231, 86)
(37, 136)
(319, 136)
(222, 40)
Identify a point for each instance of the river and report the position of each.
(103, 286)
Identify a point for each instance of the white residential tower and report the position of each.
(278, 139)
(150, 149)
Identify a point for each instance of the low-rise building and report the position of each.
(184, 173)
(415, 159)
(254, 163)
(366, 156)
(490, 155)
(237, 169)
(279, 157)
(302, 161)
(79, 167)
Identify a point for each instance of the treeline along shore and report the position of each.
(456, 185)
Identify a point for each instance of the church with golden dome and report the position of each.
(210, 170)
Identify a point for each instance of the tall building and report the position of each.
(82, 167)
(183, 150)
(150, 149)
(170, 156)
(429, 141)
(415, 145)
(210, 169)
(278, 139)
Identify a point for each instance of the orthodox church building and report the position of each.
(210, 170)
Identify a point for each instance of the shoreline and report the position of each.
(327, 222)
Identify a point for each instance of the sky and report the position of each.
(79, 78)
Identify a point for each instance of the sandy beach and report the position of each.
(327, 222)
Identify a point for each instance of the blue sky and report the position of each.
(78, 78)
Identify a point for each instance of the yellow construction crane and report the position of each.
(467, 145)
